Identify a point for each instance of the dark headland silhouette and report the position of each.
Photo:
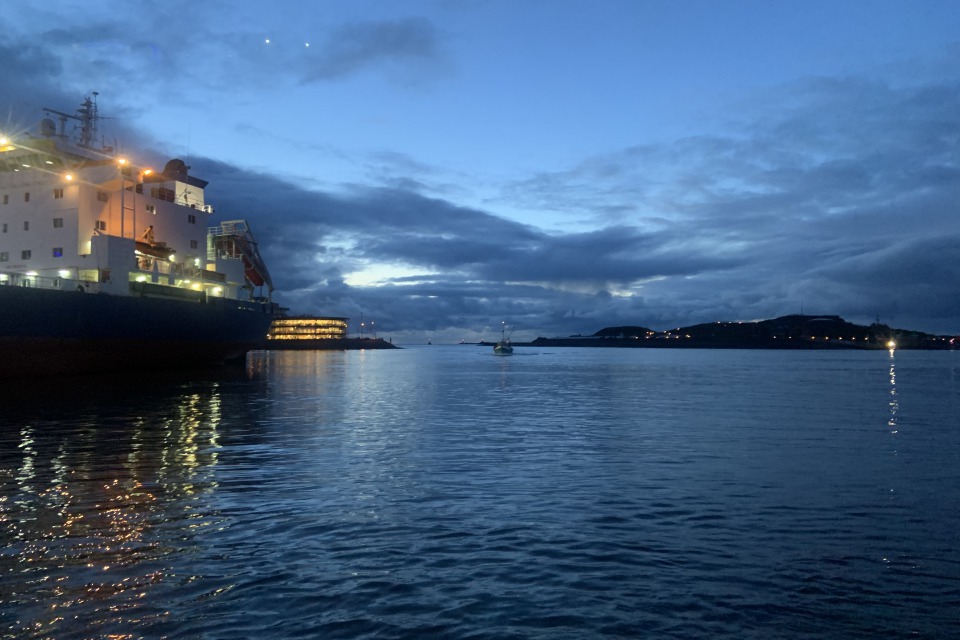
(786, 332)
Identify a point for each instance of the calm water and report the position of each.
(445, 492)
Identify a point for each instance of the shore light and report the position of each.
(891, 345)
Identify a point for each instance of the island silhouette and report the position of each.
(786, 332)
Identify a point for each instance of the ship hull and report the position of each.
(47, 332)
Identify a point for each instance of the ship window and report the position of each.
(57, 193)
(103, 196)
(193, 244)
(57, 223)
(192, 219)
(26, 225)
(25, 255)
(6, 198)
(101, 225)
(58, 252)
(162, 193)
(4, 227)
(4, 256)
(151, 209)
(26, 196)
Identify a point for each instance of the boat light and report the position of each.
(141, 278)
(64, 273)
(32, 273)
(68, 177)
(196, 286)
(217, 291)
(891, 345)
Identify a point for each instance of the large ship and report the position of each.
(106, 265)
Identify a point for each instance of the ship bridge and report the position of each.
(233, 239)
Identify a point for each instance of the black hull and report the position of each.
(45, 332)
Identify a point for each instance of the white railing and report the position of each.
(15, 279)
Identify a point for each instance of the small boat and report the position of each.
(503, 347)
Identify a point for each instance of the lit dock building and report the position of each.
(306, 329)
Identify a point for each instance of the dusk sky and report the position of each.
(444, 166)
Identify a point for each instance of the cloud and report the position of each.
(835, 211)
(835, 193)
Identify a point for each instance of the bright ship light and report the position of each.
(64, 273)
(891, 345)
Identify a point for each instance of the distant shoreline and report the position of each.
(793, 332)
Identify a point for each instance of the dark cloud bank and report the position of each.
(834, 195)
(845, 203)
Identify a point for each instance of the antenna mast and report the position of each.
(88, 117)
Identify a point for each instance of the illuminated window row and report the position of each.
(308, 328)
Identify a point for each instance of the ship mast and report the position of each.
(87, 116)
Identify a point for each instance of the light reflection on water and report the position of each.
(444, 491)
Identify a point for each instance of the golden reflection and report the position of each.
(894, 406)
(87, 513)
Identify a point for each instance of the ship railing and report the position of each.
(56, 283)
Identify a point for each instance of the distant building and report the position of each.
(304, 328)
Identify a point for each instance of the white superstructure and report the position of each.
(73, 216)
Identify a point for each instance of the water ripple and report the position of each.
(445, 493)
